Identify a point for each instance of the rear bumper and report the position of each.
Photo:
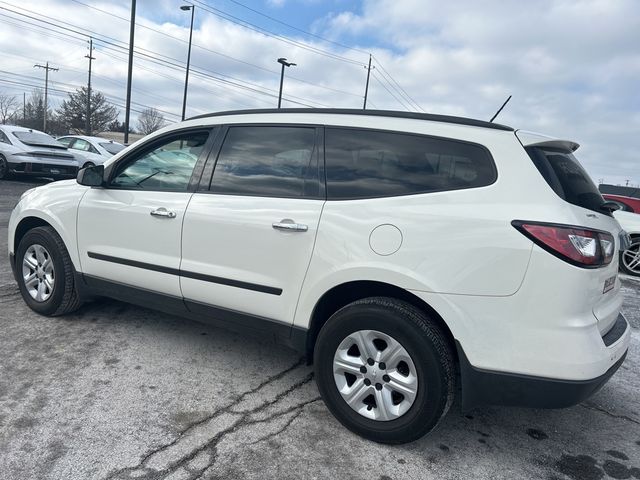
(485, 387)
(40, 168)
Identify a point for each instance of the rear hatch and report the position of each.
(556, 162)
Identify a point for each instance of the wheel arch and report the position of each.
(348, 292)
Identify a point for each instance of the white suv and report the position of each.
(393, 249)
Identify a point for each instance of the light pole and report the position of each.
(284, 63)
(127, 107)
(186, 78)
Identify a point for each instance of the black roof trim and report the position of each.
(376, 113)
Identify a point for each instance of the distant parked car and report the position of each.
(630, 258)
(28, 151)
(626, 204)
(93, 150)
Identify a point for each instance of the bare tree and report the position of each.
(8, 107)
(150, 120)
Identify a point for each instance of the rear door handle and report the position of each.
(290, 226)
(163, 212)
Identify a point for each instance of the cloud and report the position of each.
(571, 66)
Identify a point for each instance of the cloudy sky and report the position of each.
(572, 66)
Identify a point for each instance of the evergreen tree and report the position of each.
(73, 112)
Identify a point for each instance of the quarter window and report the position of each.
(366, 164)
(168, 166)
(4, 138)
(267, 161)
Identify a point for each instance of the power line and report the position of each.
(243, 23)
(215, 52)
(399, 88)
(375, 77)
(170, 62)
(298, 29)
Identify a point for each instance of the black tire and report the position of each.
(425, 343)
(635, 245)
(4, 168)
(64, 297)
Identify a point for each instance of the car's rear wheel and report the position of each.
(385, 370)
(630, 258)
(45, 273)
(4, 168)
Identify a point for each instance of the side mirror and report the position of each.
(91, 176)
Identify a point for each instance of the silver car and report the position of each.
(92, 150)
(31, 152)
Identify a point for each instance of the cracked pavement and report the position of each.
(120, 392)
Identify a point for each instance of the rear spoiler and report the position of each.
(532, 139)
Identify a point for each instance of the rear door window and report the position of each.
(564, 174)
(268, 161)
(367, 163)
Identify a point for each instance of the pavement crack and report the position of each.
(243, 421)
(598, 408)
(226, 409)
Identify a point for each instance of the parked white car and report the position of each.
(394, 249)
(630, 258)
(31, 152)
(93, 150)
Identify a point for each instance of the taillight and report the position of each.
(579, 246)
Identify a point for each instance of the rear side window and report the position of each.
(267, 161)
(566, 177)
(367, 163)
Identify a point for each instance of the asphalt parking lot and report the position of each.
(120, 392)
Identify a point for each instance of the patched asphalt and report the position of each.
(120, 392)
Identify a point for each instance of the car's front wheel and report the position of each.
(630, 258)
(385, 370)
(45, 273)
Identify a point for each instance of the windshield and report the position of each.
(565, 175)
(37, 138)
(112, 147)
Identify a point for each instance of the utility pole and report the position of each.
(46, 90)
(366, 88)
(127, 110)
(24, 107)
(90, 57)
(186, 78)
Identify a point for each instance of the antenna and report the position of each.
(500, 109)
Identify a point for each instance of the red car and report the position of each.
(627, 204)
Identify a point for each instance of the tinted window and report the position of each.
(267, 161)
(567, 178)
(112, 147)
(83, 146)
(365, 163)
(3, 138)
(65, 141)
(36, 138)
(167, 167)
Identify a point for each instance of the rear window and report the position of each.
(37, 139)
(564, 174)
(112, 147)
(369, 163)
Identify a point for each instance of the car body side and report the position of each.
(486, 282)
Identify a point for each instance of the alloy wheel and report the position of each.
(631, 257)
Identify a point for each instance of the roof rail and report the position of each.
(375, 113)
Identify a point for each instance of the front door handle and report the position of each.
(163, 212)
(290, 226)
